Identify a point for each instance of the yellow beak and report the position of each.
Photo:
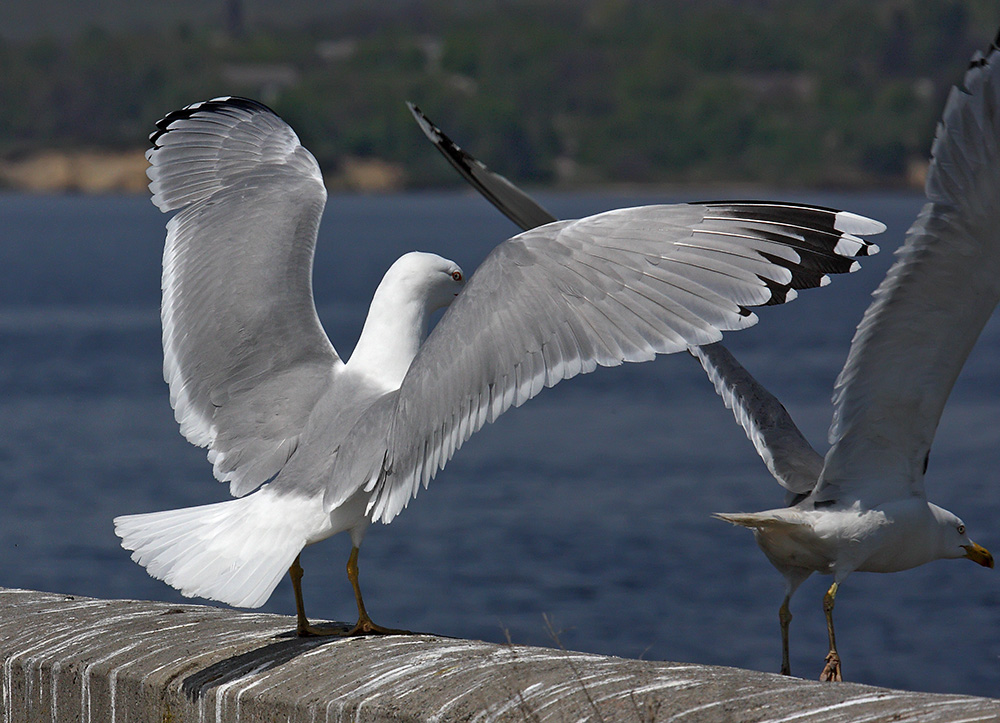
(979, 554)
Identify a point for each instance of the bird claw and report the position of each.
(362, 627)
(831, 672)
(367, 627)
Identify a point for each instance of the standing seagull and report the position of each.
(311, 445)
(864, 507)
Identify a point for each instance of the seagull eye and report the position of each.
(457, 275)
(961, 529)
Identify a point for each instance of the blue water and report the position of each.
(589, 506)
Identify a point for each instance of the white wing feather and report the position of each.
(928, 312)
(244, 352)
(789, 457)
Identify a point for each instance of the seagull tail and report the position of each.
(758, 520)
(235, 552)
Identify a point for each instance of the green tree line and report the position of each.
(607, 91)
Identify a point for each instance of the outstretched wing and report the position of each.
(243, 349)
(788, 456)
(564, 298)
(913, 340)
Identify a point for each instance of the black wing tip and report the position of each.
(833, 220)
(426, 125)
(783, 293)
(451, 150)
(825, 240)
(753, 202)
(816, 232)
(213, 105)
(982, 59)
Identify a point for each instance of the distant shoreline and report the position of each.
(86, 171)
(124, 171)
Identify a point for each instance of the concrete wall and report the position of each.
(77, 659)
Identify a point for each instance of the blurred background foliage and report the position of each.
(779, 92)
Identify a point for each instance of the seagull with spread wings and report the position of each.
(864, 508)
(311, 445)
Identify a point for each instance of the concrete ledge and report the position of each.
(77, 659)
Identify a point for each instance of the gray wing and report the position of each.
(788, 456)
(926, 315)
(560, 300)
(243, 349)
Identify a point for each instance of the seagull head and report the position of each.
(414, 287)
(431, 278)
(955, 542)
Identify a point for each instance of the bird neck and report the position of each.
(394, 330)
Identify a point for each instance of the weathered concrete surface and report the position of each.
(78, 659)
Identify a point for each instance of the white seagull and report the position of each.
(311, 445)
(864, 506)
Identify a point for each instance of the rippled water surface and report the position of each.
(589, 507)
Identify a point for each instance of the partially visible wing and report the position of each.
(564, 298)
(244, 352)
(516, 205)
(788, 456)
(928, 312)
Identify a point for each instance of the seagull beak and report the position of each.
(979, 554)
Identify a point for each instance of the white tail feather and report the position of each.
(786, 519)
(235, 552)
